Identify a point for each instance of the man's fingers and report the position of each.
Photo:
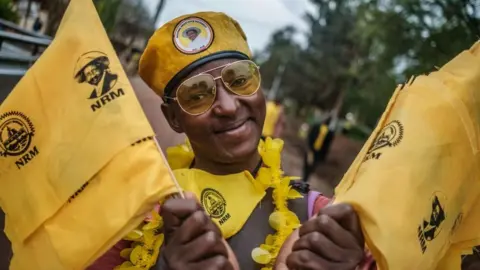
(179, 208)
(203, 247)
(215, 263)
(307, 260)
(346, 216)
(195, 225)
(327, 226)
(173, 212)
(190, 195)
(325, 248)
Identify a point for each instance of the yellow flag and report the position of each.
(416, 182)
(79, 165)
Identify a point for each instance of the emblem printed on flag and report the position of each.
(432, 226)
(93, 69)
(16, 135)
(390, 136)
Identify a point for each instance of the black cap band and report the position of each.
(175, 81)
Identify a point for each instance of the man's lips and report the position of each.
(231, 126)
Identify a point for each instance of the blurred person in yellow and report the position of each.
(274, 119)
(79, 164)
(211, 92)
(415, 184)
(319, 141)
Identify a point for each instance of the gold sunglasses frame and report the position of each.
(215, 85)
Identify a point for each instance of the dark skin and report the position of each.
(192, 240)
(215, 151)
(471, 262)
(333, 239)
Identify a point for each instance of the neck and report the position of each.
(218, 168)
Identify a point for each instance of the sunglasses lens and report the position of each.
(197, 94)
(242, 78)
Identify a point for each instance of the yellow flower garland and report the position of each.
(147, 239)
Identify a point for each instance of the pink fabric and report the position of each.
(320, 202)
(111, 259)
(368, 262)
(311, 198)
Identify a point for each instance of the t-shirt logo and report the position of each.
(213, 202)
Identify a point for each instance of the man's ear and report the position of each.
(172, 117)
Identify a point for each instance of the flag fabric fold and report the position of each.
(78, 160)
(416, 182)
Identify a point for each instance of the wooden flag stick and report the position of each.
(179, 189)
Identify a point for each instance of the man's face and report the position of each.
(93, 74)
(192, 35)
(228, 132)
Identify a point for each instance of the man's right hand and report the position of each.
(192, 240)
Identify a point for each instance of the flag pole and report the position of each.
(177, 185)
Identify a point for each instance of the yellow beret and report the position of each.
(187, 42)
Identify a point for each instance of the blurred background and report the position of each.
(331, 65)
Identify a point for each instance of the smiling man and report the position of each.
(93, 68)
(241, 208)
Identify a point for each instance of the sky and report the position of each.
(258, 18)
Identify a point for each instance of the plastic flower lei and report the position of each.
(282, 219)
(147, 238)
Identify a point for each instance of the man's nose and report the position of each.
(226, 103)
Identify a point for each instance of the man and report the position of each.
(93, 68)
(274, 120)
(193, 34)
(319, 141)
(236, 189)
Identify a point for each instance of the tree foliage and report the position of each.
(107, 11)
(127, 17)
(358, 50)
(7, 11)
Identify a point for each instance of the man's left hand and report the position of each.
(332, 240)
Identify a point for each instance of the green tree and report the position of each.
(406, 38)
(281, 50)
(108, 10)
(359, 50)
(7, 11)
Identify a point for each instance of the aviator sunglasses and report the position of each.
(197, 94)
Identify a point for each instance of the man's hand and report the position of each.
(332, 240)
(193, 241)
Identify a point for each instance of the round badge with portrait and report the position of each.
(193, 35)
